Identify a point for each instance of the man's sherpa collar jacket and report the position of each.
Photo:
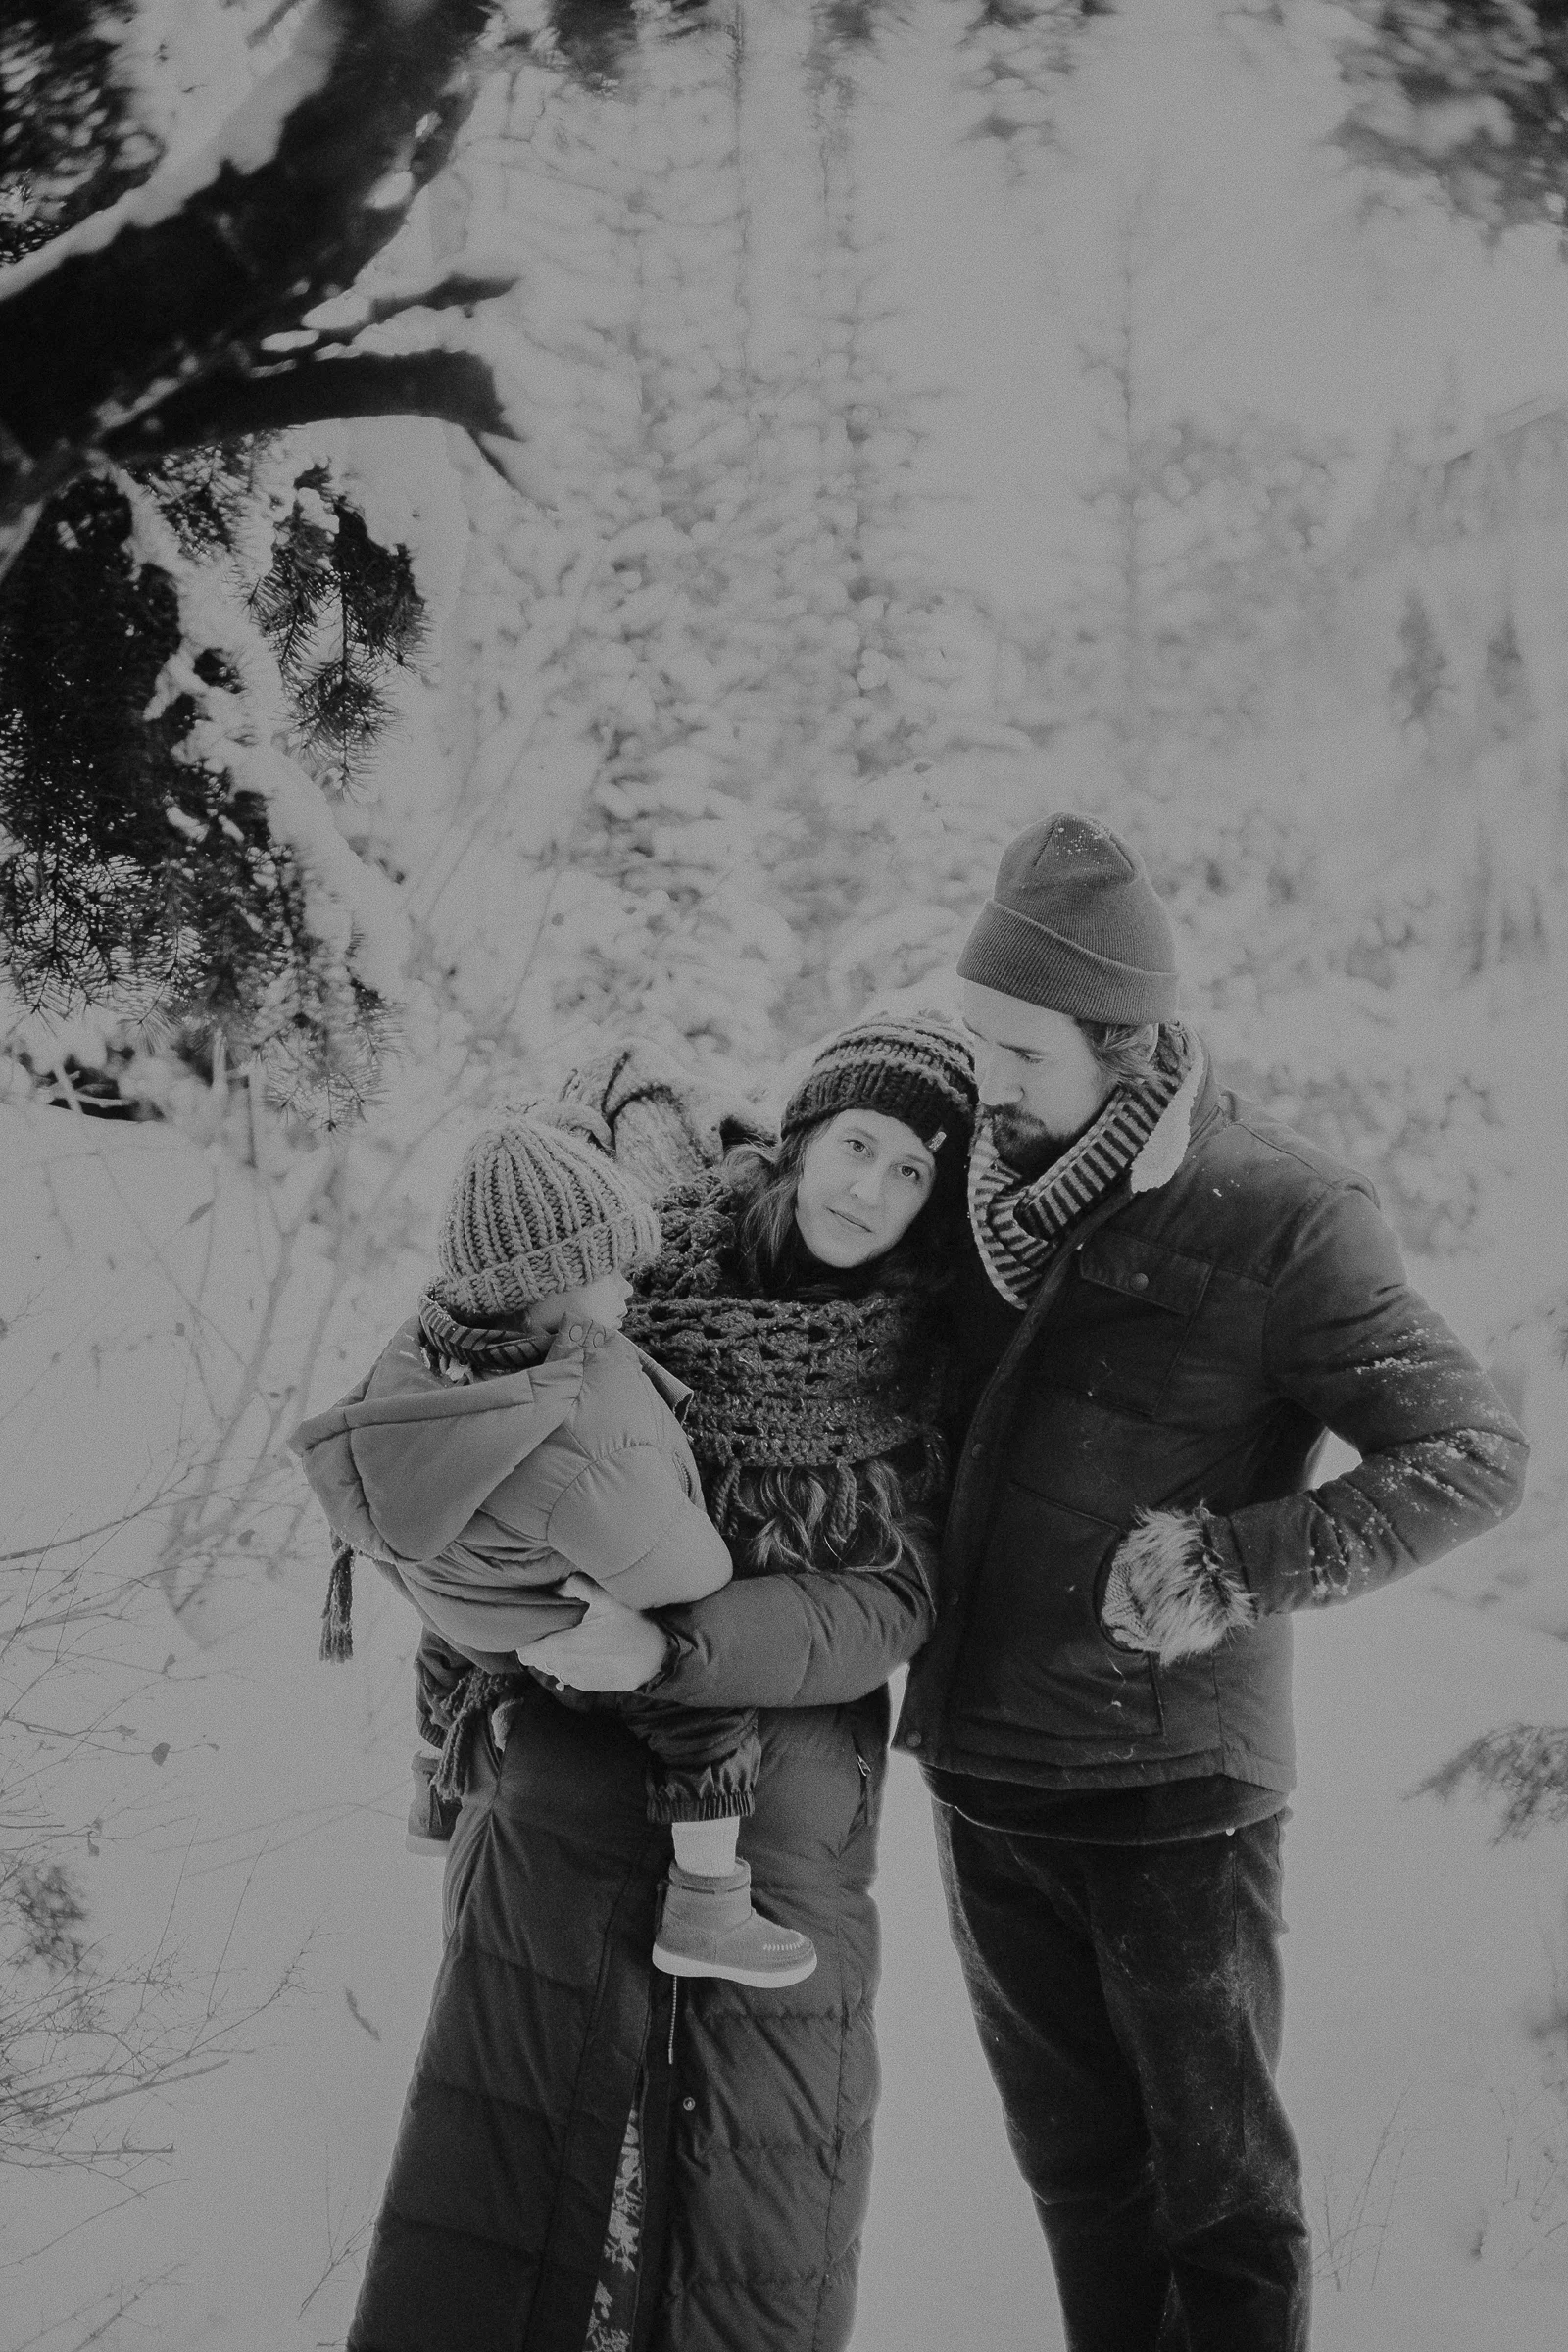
(1233, 1298)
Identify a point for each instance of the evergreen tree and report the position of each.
(1421, 680)
(135, 876)
(1472, 93)
(180, 322)
(1506, 708)
(69, 142)
(339, 612)
(140, 878)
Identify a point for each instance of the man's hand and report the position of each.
(1165, 1596)
(610, 1648)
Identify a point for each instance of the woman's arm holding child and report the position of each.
(808, 1640)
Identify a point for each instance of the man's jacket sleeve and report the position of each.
(1349, 1340)
(808, 1639)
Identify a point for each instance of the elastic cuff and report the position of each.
(667, 1804)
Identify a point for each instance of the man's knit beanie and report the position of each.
(538, 1207)
(1075, 925)
(915, 1067)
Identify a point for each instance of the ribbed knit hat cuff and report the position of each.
(924, 1106)
(917, 1070)
(1020, 958)
(614, 1246)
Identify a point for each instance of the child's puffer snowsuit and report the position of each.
(476, 1499)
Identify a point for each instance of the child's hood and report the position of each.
(402, 1463)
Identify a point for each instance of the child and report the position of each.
(509, 1436)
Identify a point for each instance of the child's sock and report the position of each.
(707, 1850)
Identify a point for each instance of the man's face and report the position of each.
(1040, 1085)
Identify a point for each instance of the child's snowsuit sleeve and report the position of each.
(630, 1521)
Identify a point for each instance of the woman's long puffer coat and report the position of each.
(547, 2014)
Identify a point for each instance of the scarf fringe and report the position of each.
(721, 1502)
(337, 1617)
(845, 1508)
(479, 1692)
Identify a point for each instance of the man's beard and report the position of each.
(1027, 1145)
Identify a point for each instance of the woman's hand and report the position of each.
(610, 1648)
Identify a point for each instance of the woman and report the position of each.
(595, 2158)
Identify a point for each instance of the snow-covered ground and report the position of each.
(1428, 1974)
(724, 716)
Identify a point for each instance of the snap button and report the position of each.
(577, 1332)
(689, 2106)
(914, 1739)
(1140, 1281)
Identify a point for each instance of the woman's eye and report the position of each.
(853, 1142)
(914, 1172)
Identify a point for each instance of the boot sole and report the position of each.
(681, 1964)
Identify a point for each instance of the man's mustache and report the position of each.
(1025, 1142)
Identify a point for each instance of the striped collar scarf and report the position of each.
(1019, 1222)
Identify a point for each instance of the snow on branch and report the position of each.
(187, 277)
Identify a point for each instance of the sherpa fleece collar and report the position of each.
(1166, 1145)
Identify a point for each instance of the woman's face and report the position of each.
(864, 1179)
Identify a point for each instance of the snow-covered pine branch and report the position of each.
(171, 295)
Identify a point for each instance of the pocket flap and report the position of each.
(1140, 1270)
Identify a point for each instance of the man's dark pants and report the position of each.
(1129, 2001)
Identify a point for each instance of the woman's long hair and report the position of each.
(860, 1517)
(869, 1516)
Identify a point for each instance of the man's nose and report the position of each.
(997, 1081)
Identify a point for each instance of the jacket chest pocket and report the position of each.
(1124, 1321)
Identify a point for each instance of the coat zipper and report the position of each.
(999, 1385)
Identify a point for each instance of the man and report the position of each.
(1171, 1299)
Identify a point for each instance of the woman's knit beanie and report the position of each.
(917, 1067)
(538, 1207)
(1075, 925)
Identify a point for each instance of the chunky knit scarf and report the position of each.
(1018, 1221)
(802, 1383)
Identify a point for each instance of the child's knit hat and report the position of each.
(536, 1209)
(917, 1067)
